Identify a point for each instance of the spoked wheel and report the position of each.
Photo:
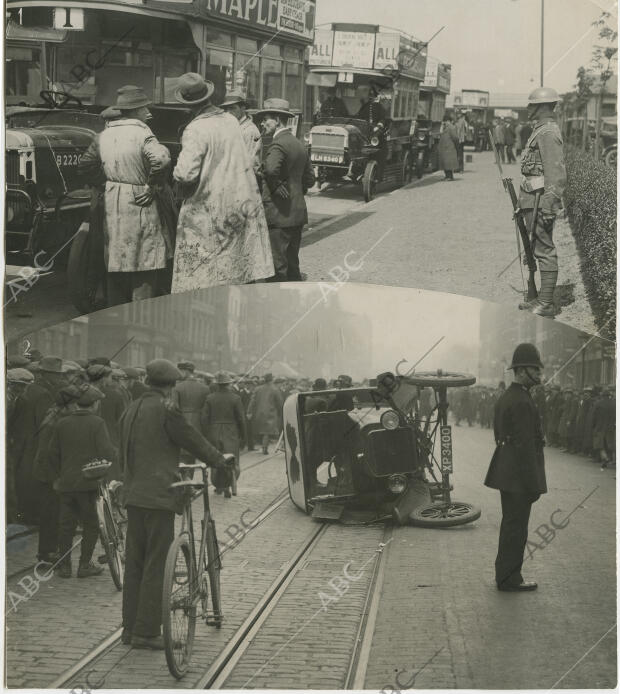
(214, 566)
(369, 181)
(179, 607)
(406, 172)
(114, 544)
(438, 379)
(444, 515)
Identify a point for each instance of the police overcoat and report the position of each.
(518, 464)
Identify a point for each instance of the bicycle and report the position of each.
(188, 576)
(111, 519)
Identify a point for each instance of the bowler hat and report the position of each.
(130, 96)
(319, 384)
(232, 98)
(275, 105)
(51, 365)
(19, 376)
(89, 395)
(193, 89)
(526, 354)
(186, 366)
(222, 378)
(35, 355)
(162, 372)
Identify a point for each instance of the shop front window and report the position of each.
(219, 69)
(247, 79)
(272, 78)
(247, 45)
(294, 86)
(23, 79)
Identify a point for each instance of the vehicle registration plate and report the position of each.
(331, 158)
(445, 434)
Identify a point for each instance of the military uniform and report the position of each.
(517, 470)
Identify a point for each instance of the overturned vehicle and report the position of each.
(376, 452)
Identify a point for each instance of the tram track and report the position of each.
(81, 671)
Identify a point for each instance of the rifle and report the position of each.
(519, 217)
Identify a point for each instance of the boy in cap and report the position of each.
(153, 432)
(77, 439)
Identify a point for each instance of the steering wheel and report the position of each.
(57, 99)
(439, 379)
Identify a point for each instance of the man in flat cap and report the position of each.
(77, 439)
(138, 238)
(153, 432)
(222, 235)
(111, 407)
(517, 468)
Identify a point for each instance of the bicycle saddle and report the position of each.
(186, 484)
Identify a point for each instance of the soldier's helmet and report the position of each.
(543, 95)
(526, 354)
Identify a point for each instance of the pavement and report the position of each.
(440, 620)
(450, 237)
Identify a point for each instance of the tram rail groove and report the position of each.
(225, 663)
(113, 639)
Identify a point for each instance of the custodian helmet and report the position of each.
(543, 95)
(526, 354)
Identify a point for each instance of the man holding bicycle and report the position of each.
(153, 432)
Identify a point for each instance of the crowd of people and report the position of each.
(233, 215)
(576, 420)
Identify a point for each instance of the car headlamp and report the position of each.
(397, 484)
(10, 213)
(374, 141)
(390, 420)
(421, 136)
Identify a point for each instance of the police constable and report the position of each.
(544, 174)
(517, 468)
(153, 430)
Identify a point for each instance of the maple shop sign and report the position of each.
(288, 16)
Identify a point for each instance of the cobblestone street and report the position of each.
(439, 621)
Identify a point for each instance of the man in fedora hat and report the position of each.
(138, 237)
(287, 176)
(222, 235)
(235, 104)
(517, 468)
(223, 422)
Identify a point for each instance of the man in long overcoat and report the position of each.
(223, 422)
(265, 411)
(153, 431)
(517, 468)
(138, 240)
(222, 235)
(287, 176)
(189, 395)
(448, 143)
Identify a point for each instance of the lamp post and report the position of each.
(542, 43)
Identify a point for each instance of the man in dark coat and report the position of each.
(287, 176)
(517, 468)
(36, 402)
(189, 395)
(223, 421)
(134, 385)
(448, 153)
(265, 411)
(245, 393)
(153, 432)
(77, 439)
(604, 428)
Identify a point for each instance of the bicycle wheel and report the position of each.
(179, 607)
(214, 566)
(113, 542)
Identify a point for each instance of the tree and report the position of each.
(603, 56)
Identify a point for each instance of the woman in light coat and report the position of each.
(222, 235)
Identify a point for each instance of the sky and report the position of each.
(493, 45)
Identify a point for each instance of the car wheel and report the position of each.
(444, 515)
(369, 181)
(438, 379)
(611, 158)
(85, 272)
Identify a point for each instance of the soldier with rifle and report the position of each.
(543, 179)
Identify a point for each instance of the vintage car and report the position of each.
(346, 143)
(374, 452)
(47, 204)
